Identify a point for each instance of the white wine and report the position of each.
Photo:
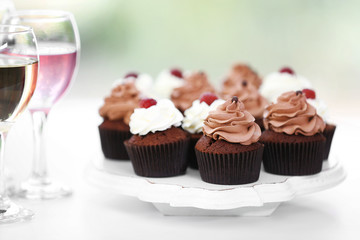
(17, 84)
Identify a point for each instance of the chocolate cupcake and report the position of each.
(239, 73)
(194, 120)
(194, 85)
(229, 152)
(322, 111)
(158, 146)
(250, 96)
(329, 132)
(116, 112)
(294, 143)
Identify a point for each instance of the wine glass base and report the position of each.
(50, 190)
(15, 213)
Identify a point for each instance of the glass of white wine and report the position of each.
(18, 75)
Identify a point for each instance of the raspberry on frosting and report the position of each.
(208, 98)
(287, 70)
(176, 72)
(147, 102)
(132, 75)
(309, 94)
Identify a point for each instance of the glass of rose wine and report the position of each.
(59, 45)
(18, 76)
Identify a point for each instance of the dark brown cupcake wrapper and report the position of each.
(191, 155)
(260, 122)
(112, 143)
(328, 134)
(230, 169)
(164, 160)
(293, 159)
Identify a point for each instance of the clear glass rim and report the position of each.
(38, 15)
(17, 29)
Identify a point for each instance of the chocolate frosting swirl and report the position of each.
(121, 103)
(232, 123)
(292, 114)
(249, 95)
(239, 73)
(194, 85)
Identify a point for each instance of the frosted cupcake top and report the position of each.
(277, 83)
(232, 123)
(239, 73)
(293, 115)
(158, 117)
(197, 113)
(195, 84)
(249, 95)
(321, 108)
(121, 103)
(167, 81)
(143, 82)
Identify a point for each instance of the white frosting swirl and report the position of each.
(165, 84)
(144, 83)
(321, 108)
(197, 113)
(159, 117)
(277, 83)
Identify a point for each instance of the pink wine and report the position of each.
(57, 66)
(17, 84)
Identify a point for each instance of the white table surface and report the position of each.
(93, 213)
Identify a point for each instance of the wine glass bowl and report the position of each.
(58, 45)
(18, 76)
(58, 41)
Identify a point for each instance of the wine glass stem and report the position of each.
(39, 171)
(4, 200)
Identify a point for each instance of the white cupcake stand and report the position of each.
(189, 195)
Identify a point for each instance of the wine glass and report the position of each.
(59, 46)
(18, 76)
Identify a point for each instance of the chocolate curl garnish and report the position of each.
(234, 99)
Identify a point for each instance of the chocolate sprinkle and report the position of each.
(234, 99)
(298, 92)
(244, 83)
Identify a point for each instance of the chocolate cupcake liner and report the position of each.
(260, 122)
(293, 159)
(112, 143)
(230, 169)
(164, 160)
(191, 155)
(328, 134)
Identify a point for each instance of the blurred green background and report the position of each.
(319, 39)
